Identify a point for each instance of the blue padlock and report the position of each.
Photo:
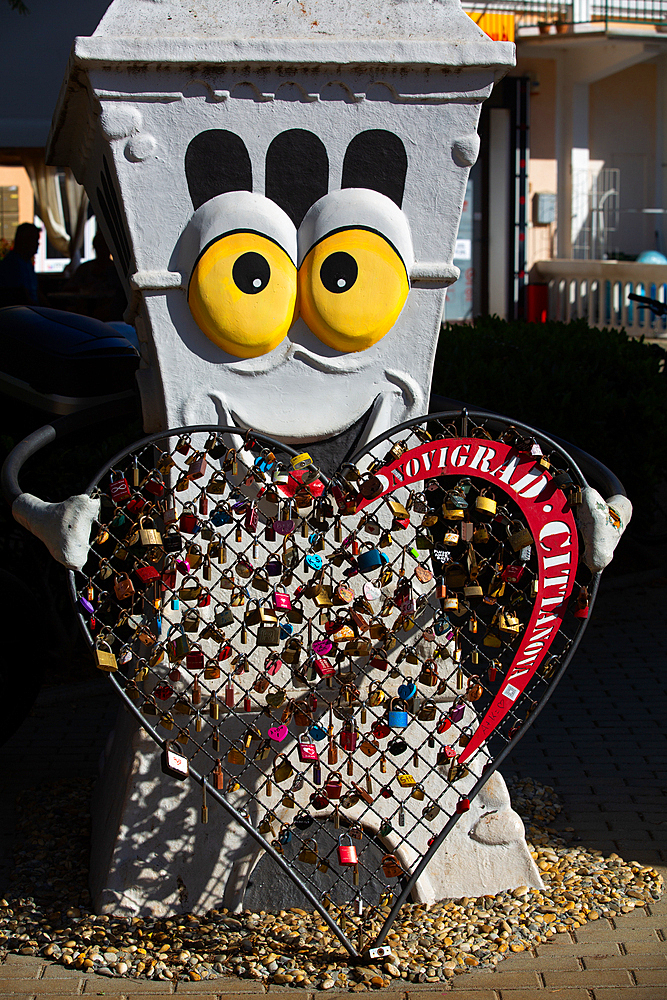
(317, 732)
(313, 560)
(369, 560)
(407, 690)
(396, 717)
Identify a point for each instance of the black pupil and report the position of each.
(251, 273)
(339, 272)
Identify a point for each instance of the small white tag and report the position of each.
(382, 952)
(177, 762)
(511, 692)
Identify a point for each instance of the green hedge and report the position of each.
(599, 389)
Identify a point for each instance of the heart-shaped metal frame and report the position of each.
(448, 443)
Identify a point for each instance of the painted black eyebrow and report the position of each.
(376, 159)
(297, 172)
(216, 161)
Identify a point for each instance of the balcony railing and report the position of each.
(597, 291)
(551, 12)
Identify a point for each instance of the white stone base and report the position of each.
(151, 855)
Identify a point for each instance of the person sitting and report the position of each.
(95, 288)
(18, 281)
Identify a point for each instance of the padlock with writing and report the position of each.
(307, 751)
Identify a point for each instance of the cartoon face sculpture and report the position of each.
(341, 263)
(284, 197)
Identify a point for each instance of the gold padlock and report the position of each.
(406, 780)
(308, 853)
(149, 535)
(105, 658)
(519, 536)
(235, 755)
(486, 504)
(282, 771)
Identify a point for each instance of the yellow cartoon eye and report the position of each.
(352, 287)
(242, 293)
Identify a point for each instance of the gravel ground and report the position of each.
(46, 912)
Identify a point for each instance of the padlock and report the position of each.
(190, 589)
(119, 487)
(428, 674)
(236, 755)
(308, 853)
(397, 718)
(334, 785)
(348, 737)
(282, 771)
(519, 536)
(405, 779)
(149, 535)
(268, 635)
(281, 599)
(194, 660)
(427, 712)
(347, 853)
(188, 520)
(105, 658)
(391, 866)
(123, 587)
(307, 751)
(485, 504)
(475, 689)
(223, 616)
(457, 711)
(174, 763)
(407, 690)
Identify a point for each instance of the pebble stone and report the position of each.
(47, 913)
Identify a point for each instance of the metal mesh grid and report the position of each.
(189, 623)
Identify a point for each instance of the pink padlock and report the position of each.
(307, 751)
(347, 853)
(282, 600)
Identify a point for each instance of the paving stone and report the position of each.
(652, 977)
(590, 978)
(507, 977)
(561, 994)
(42, 987)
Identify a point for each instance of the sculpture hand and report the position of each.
(63, 527)
(602, 522)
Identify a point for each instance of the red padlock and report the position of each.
(146, 573)
(463, 805)
(347, 853)
(194, 660)
(188, 519)
(348, 737)
(307, 751)
(135, 505)
(119, 489)
(380, 729)
(324, 667)
(334, 786)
